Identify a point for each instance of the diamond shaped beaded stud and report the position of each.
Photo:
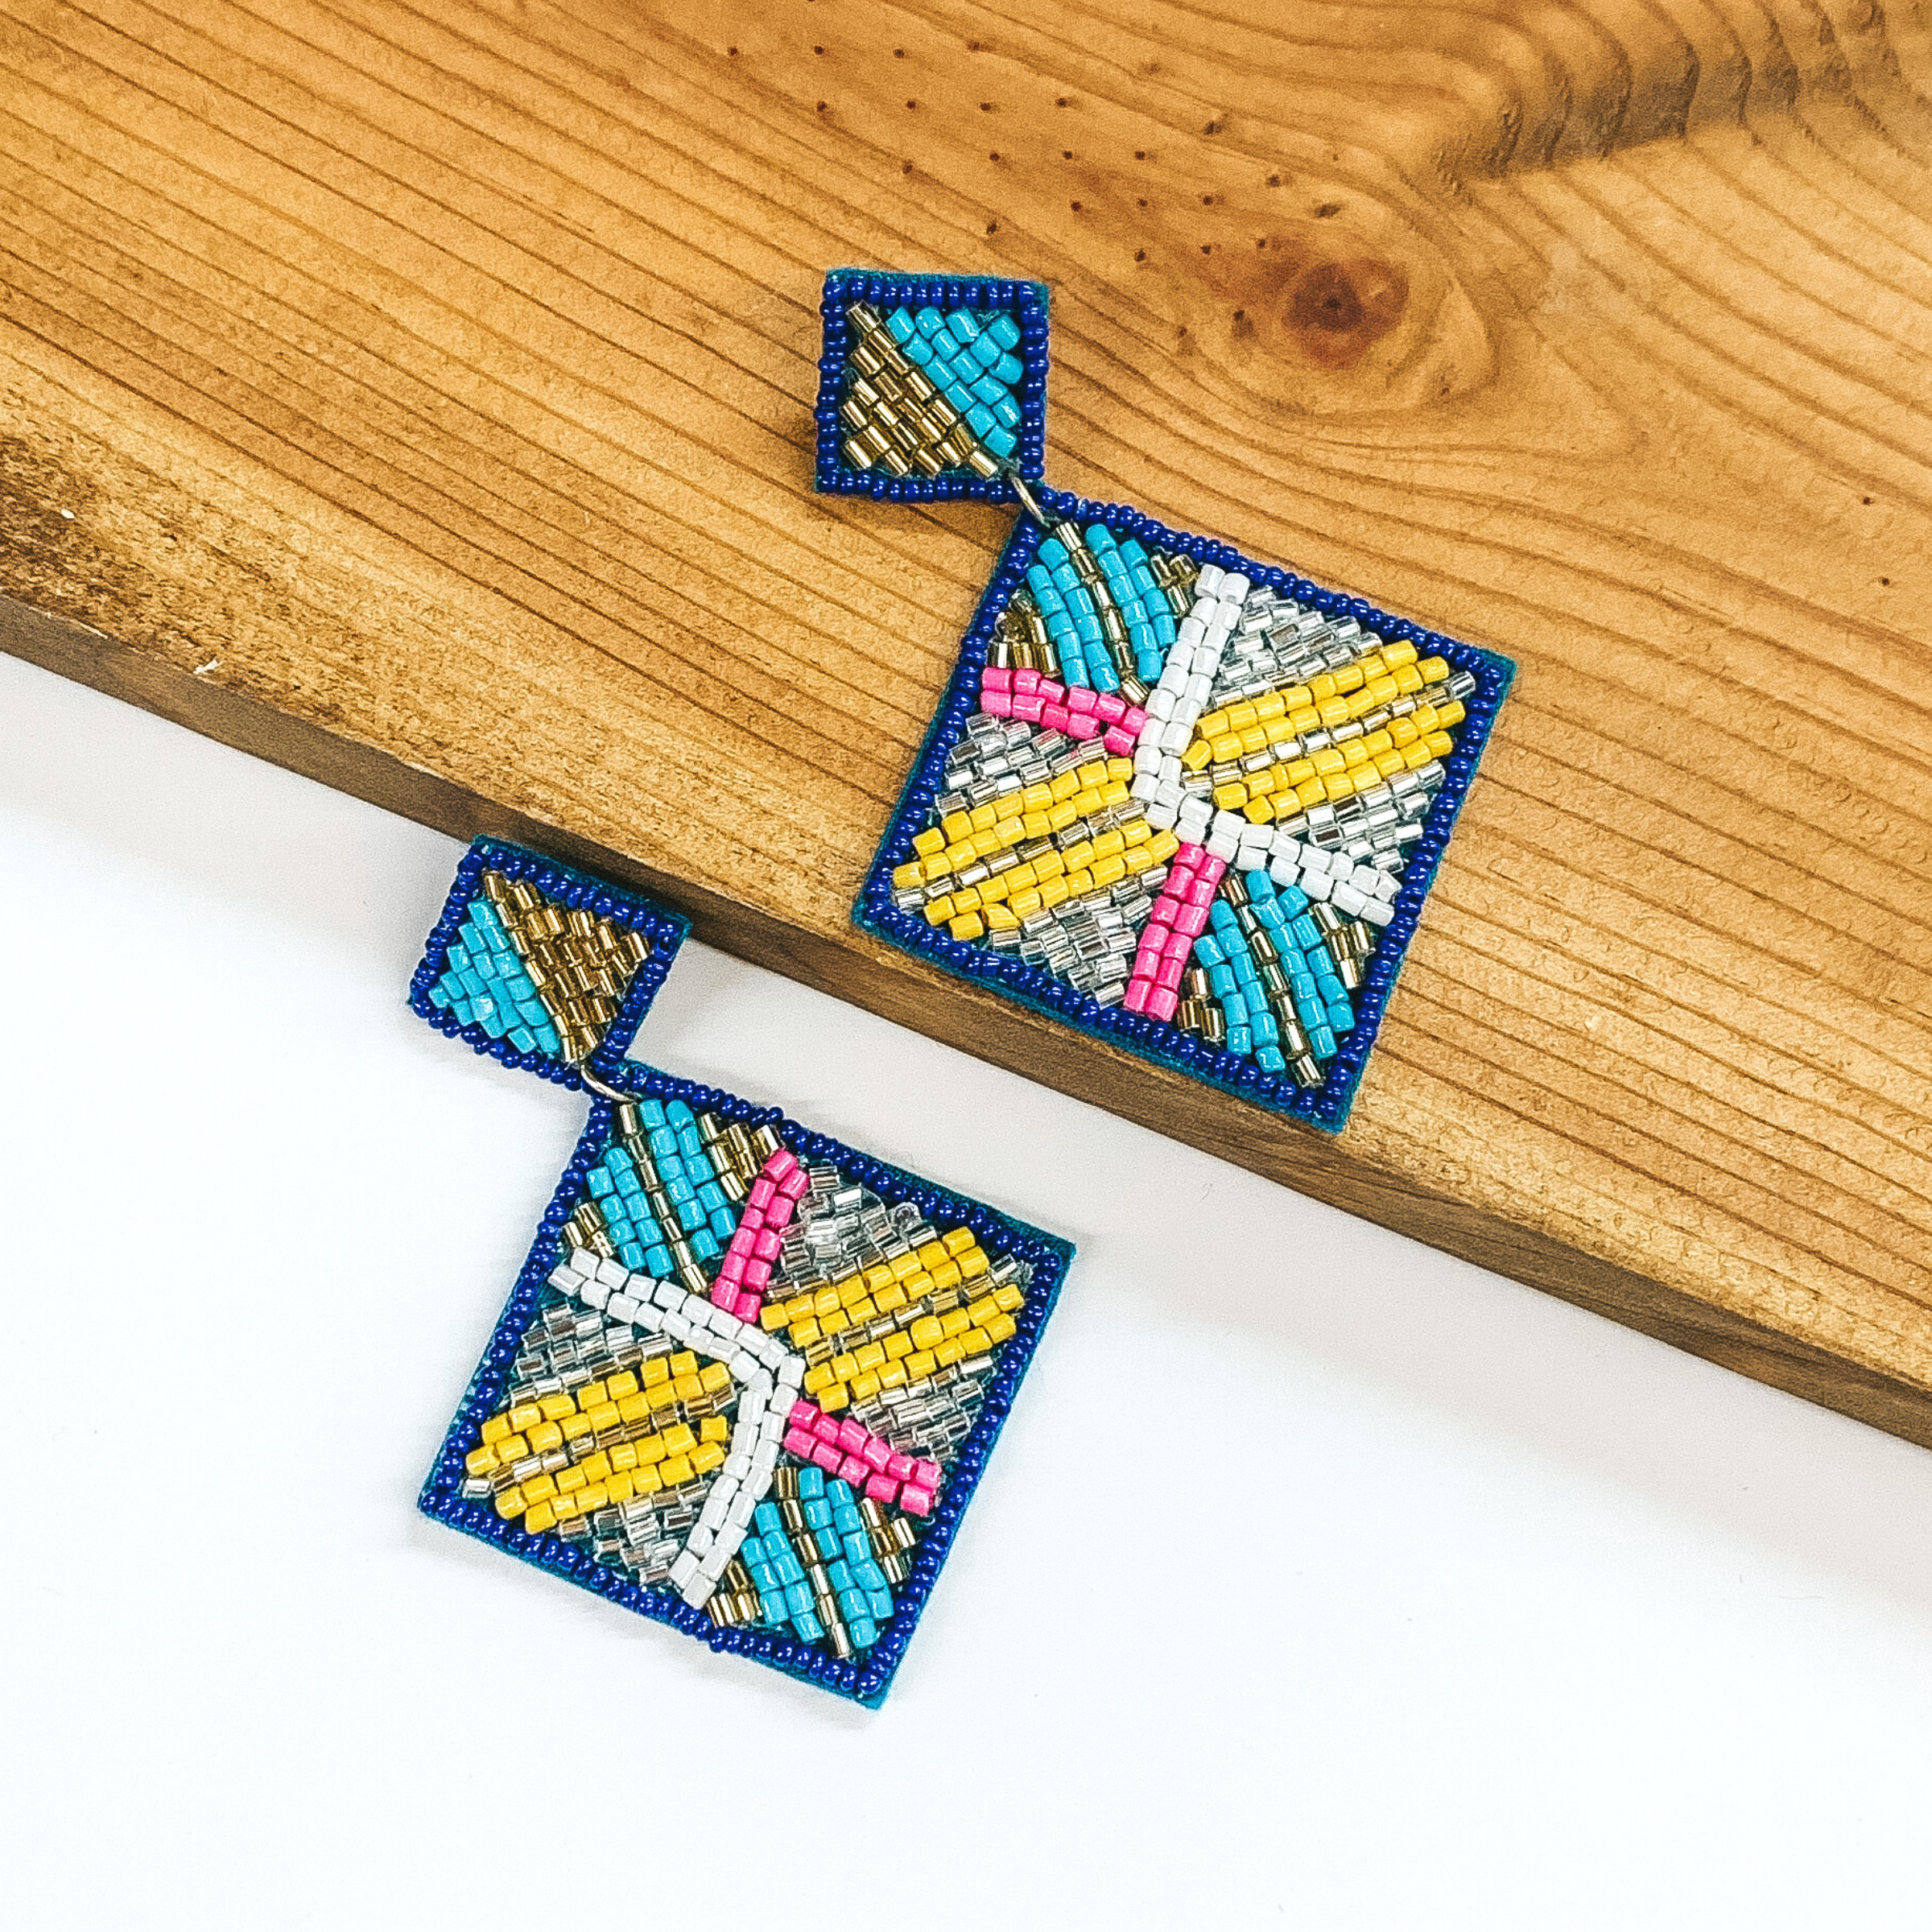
(749, 1377)
(1182, 800)
(931, 387)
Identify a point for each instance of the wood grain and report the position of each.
(419, 395)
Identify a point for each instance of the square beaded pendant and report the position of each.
(1186, 801)
(749, 1377)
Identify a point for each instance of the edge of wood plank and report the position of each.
(901, 989)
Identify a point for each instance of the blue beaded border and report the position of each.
(1161, 1041)
(1027, 303)
(863, 1679)
(666, 930)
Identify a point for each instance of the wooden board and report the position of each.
(419, 395)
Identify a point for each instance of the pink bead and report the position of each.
(1111, 705)
(899, 1468)
(827, 1456)
(854, 1471)
(826, 1429)
(796, 1185)
(852, 1436)
(767, 1243)
(1168, 979)
(799, 1442)
(881, 1489)
(1134, 999)
(1163, 1004)
(914, 1501)
(1163, 912)
(1054, 716)
(1053, 691)
(731, 1271)
(804, 1414)
(1027, 710)
(1200, 890)
(1135, 720)
(1192, 920)
(762, 1193)
(1025, 682)
(992, 678)
(750, 1306)
(757, 1273)
(1120, 742)
(1081, 698)
(925, 1473)
(780, 1164)
(877, 1452)
(996, 703)
(1082, 724)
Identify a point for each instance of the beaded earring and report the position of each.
(1188, 803)
(749, 1377)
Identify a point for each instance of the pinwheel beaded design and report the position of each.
(748, 1377)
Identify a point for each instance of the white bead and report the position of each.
(1190, 632)
(1221, 847)
(621, 1307)
(1282, 872)
(1146, 785)
(1231, 606)
(1160, 700)
(612, 1274)
(1386, 885)
(1147, 756)
(1235, 585)
(1316, 884)
(593, 1294)
(1208, 583)
(1314, 860)
(1377, 912)
(1349, 900)
(1177, 733)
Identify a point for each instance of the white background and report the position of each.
(1318, 1580)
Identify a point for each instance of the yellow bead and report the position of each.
(674, 1469)
(1164, 845)
(947, 1353)
(544, 1438)
(651, 1449)
(889, 1299)
(595, 1467)
(957, 826)
(705, 1457)
(556, 1407)
(714, 1429)
(919, 1365)
(1270, 705)
(939, 910)
(509, 1502)
(1062, 816)
(647, 1482)
(1008, 1297)
(1078, 883)
(983, 1310)
(905, 877)
(540, 1489)
(1440, 743)
(871, 1355)
(1119, 792)
(897, 1345)
(511, 1449)
(1451, 713)
(624, 1455)
(929, 842)
(481, 1462)
(576, 1428)
(1434, 670)
(1052, 893)
(999, 1328)
(1418, 755)
(686, 1388)
(834, 1399)
(657, 1369)
(969, 926)
(926, 1331)
(715, 1377)
(1230, 797)
(1000, 918)
(1408, 678)
(524, 1415)
(892, 1376)
(678, 1438)
(541, 1516)
(818, 1378)
(972, 1264)
(1136, 831)
(620, 1385)
(496, 1428)
(621, 1487)
(569, 1479)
